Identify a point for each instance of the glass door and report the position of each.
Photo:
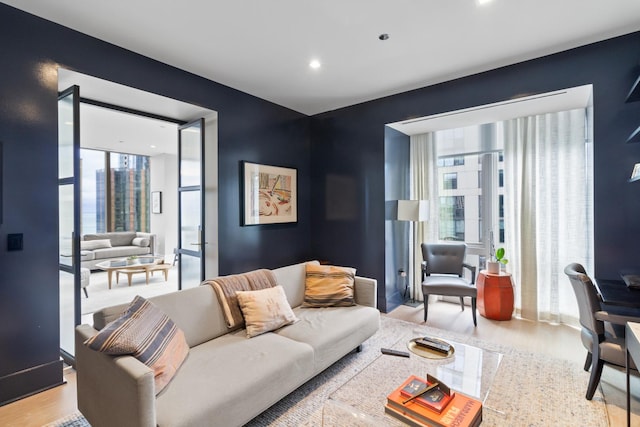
(191, 244)
(69, 217)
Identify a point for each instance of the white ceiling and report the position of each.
(112, 130)
(264, 47)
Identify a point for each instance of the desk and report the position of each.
(616, 292)
(632, 340)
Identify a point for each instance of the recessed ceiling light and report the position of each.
(483, 2)
(152, 146)
(315, 64)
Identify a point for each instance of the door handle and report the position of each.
(200, 235)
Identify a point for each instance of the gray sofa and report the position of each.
(227, 379)
(121, 244)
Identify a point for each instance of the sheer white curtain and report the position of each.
(548, 210)
(423, 170)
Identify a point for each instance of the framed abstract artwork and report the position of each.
(270, 194)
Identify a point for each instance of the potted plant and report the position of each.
(493, 267)
(132, 260)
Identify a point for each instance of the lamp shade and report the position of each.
(413, 210)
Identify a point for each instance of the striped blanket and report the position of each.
(227, 286)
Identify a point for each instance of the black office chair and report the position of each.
(598, 337)
(442, 274)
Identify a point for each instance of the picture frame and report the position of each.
(156, 202)
(270, 194)
(635, 174)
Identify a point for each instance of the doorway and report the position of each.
(104, 111)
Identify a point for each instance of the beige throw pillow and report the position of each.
(329, 286)
(265, 310)
(140, 241)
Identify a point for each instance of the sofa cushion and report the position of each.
(195, 310)
(332, 331)
(140, 241)
(329, 286)
(148, 334)
(265, 310)
(291, 278)
(89, 245)
(229, 380)
(118, 238)
(120, 252)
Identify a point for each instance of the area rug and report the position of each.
(528, 390)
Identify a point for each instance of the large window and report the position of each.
(470, 164)
(525, 184)
(471, 183)
(115, 192)
(452, 218)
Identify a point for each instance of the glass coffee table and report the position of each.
(360, 401)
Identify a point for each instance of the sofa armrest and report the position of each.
(113, 390)
(366, 291)
(152, 240)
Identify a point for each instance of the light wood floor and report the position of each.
(554, 340)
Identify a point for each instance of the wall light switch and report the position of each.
(14, 242)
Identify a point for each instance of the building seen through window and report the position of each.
(470, 169)
(115, 192)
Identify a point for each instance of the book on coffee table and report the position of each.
(436, 399)
(460, 410)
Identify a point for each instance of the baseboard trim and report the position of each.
(27, 382)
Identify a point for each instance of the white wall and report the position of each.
(211, 195)
(164, 178)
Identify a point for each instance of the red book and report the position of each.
(461, 411)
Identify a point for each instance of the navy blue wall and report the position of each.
(397, 187)
(249, 129)
(352, 139)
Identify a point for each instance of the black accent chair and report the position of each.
(442, 274)
(598, 336)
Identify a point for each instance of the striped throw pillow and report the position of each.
(329, 286)
(147, 334)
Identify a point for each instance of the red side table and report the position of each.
(495, 295)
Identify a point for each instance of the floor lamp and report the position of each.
(413, 211)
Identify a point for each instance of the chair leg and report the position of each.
(426, 305)
(86, 294)
(587, 363)
(594, 379)
(462, 303)
(473, 311)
